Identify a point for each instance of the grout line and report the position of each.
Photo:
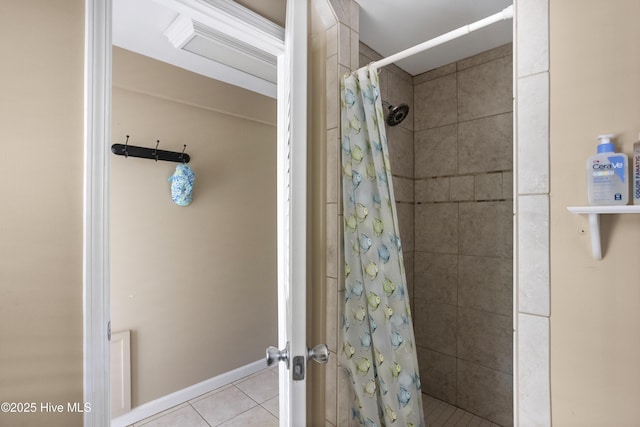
(455, 417)
(439, 413)
(448, 410)
(461, 201)
(464, 420)
(199, 414)
(474, 174)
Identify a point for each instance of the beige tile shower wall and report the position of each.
(532, 258)
(463, 233)
(342, 57)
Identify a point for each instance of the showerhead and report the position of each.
(395, 114)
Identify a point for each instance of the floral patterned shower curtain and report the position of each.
(378, 345)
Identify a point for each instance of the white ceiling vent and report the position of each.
(220, 39)
(222, 46)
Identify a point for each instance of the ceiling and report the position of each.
(389, 27)
(140, 25)
(386, 26)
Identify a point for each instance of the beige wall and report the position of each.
(196, 285)
(595, 316)
(41, 125)
(273, 10)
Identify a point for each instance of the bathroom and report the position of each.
(573, 324)
(442, 129)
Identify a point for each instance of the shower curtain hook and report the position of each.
(126, 143)
(155, 151)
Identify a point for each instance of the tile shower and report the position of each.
(453, 172)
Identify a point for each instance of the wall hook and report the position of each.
(126, 144)
(155, 151)
(182, 154)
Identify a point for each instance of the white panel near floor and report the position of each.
(120, 373)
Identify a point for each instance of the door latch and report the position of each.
(298, 368)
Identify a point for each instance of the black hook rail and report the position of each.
(150, 153)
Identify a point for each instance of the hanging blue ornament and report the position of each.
(182, 185)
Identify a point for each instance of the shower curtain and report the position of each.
(378, 345)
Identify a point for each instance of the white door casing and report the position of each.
(292, 200)
(97, 135)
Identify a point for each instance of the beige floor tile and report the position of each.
(184, 415)
(273, 405)
(257, 416)
(158, 415)
(260, 387)
(222, 405)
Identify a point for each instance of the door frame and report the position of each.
(97, 135)
(292, 213)
(97, 140)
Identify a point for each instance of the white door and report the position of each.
(292, 352)
(292, 158)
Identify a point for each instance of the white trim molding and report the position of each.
(192, 36)
(173, 399)
(97, 134)
(233, 20)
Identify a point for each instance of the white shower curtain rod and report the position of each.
(500, 16)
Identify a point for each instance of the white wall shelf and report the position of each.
(594, 212)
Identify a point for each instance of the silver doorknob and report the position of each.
(319, 353)
(275, 355)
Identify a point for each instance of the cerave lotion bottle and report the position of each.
(636, 172)
(607, 175)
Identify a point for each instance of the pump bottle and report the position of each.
(635, 171)
(607, 175)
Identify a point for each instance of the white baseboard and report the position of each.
(169, 401)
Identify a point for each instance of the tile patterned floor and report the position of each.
(253, 401)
